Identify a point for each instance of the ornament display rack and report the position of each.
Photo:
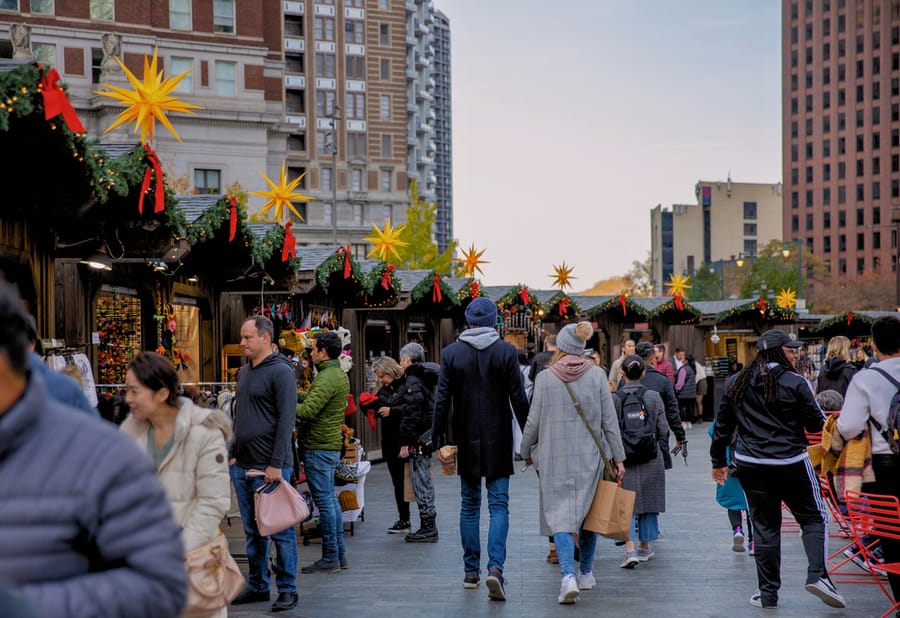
(119, 327)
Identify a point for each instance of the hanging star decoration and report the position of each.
(678, 285)
(786, 298)
(149, 100)
(385, 242)
(470, 261)
(281, 196)
(562, 278)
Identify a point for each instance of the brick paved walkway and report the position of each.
(694, 572)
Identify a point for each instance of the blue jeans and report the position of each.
(565, 549)
(320, 467)
(648, 526)
(257, 545)
(470, 522)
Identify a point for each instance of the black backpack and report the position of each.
(891, 433)
(637, 428)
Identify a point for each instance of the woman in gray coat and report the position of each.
(565, 455)
(647, 479)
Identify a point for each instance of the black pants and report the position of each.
(395, 467)
(887, 481)
(688, 409)
(766, 487)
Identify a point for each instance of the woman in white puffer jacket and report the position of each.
(187, 444)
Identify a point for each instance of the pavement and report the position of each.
(694, 572)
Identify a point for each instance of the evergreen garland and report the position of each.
(425, 289)
(614, 307)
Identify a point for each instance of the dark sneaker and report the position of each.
(401, 526)
(825, 590)
(285, 601)
(737, 541)
(756, 601)
(495, 584)
(344, 564)
(471, 580)
(322, 566)
(249, 596)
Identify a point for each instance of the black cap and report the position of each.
(772, 339)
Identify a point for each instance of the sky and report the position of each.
(572, 119)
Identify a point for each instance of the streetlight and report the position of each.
(786, 252)
(740, 260)
(335, 116)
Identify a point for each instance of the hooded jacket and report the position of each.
(323, 407)
(835, 375)
(417, 404)
(769, 434)
(479, 379)
(85, 527)
(195, 471)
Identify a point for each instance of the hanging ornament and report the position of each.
(149, 101)
(289, 249)
(436, 295)
(159, 192)
(849, 317)
(281, 195)
(563, 276)
(678, 285)
(761, 305)
(525, 296)
(470, 262)
(623, 304)
(786, 298)
(385, 242)
(232, 218)
(56, 102)
(345, 251)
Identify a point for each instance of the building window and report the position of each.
(842, 242)
(295, 102)
(826, 245)
(323, 28)
(353, 29)
(180, 14)
(809, 222)
(385, 107)
(207, 181)
(356, 105)
(293, 63)
(809, 174)
(356, 145)
(356, 67)
(842, 194)
(795, 223)
(876, 216)
(876, 240)
(386, 181)
(860, 193)
(826, 196)
(750, 247)
(179, 66)
(876, 190)
(750, 210)
(226, 85)
(325, 65)
(749, 229)
(826, 171)
(102, 10)
(44, 7)
(324, 103)
(384, 35)
(860, 143)
(322, 142)
(356, 179)
(44, 53)
(860, 171)
(383, 5)
(297, 143)
(385, 69)
(385, 145)
(842, 170)
(223, 16)
(327, 178)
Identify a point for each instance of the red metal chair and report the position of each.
(876, 515)
(838, 560)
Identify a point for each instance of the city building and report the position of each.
(841, 113)
(443, 124)
(729, 220)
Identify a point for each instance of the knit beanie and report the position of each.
(481, 312)
(572, 337)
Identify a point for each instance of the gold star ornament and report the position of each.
(786, 298)
(678, 285)
(385, 242)
(470, 262)
(281, 195)
(562, 278)
(149, 100)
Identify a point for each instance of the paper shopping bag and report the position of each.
(409, 494)
(610, 512)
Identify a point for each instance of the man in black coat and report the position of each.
(656, 381)
(480, 378)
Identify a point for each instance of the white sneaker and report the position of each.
(568, 590)
(738, 541)
(825, 590)
(586, 581)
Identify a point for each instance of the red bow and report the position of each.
(232, 224)
(289, 249)
(523, 294)
(436, 295)
(346, 252)
(564, 306)
(761, 305)
(849, 317)
(159, 192)
(56, 102)
(622, 304)
(678, 303)
(386, 276)
(474, 289)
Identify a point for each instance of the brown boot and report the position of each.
(552, 558)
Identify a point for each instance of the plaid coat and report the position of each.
(563, 452)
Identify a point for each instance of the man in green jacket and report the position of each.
(322, 411)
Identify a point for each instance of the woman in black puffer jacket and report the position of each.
(837, 370)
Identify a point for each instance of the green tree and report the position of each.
(779, 272)
(422, 251)
(706, 282)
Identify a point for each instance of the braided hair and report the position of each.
(761, 364)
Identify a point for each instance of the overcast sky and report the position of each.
(573, 118)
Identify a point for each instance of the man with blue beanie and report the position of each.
(479, 379)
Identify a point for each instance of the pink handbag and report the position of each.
(278, 506)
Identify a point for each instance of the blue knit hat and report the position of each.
(481, 312)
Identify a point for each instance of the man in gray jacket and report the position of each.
(85, 527)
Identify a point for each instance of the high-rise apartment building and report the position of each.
(420, 95)
(841, 130)
(443, 124)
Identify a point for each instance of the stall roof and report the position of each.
(714, 307)
(411, 278)
(193, 206)
(589, 302)
(114, 150)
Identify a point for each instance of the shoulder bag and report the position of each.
(278, 506)
(612, 507)
(214, 578)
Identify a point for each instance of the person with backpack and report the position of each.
(873, 403)
(642, 425)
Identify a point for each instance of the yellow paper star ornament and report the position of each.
(678, 285)
(786, 298)
(281, 195)
(563, 276)
(470, 261)
(385, 242)
(149, 100)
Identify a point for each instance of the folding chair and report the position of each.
(879, 516)
(838, 560)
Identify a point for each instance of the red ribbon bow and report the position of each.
(436, 295)
(159, 192)
(232, 214)
(849, 317)
(678, 302)
(289, 249)
(474, 289)
(386, 276)
(564, 306)
(346, 252)
(56, 102)
(523, 294)
(761, 305)
(622, 304)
